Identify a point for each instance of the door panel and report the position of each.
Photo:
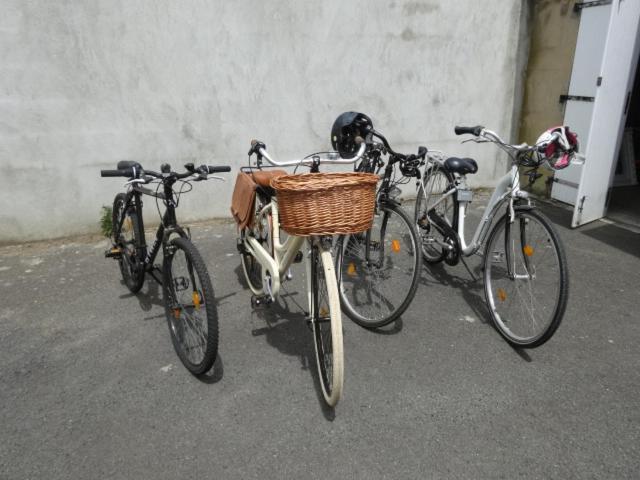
(592, 34)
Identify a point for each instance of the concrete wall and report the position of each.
(554, 33)
(85, 84)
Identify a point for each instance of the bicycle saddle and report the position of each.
(461, 166)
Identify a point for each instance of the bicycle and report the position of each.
(188, 294)
(266, 260)
(378, 270)
(526, 280)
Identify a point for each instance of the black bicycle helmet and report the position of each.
(346, 128)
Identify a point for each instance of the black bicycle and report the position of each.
(379, 268)
(188, 295)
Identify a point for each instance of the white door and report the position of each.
(592, 34)
(609, 110)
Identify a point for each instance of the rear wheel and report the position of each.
(435, 184)
(126, 236)
(526, 279)
(326, 324)
(261, 231)
(379, 269)
(190, 306)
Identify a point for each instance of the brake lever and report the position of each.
(137, 180)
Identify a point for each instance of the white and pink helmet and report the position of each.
(558, 146)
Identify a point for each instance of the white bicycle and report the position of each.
(526, 280)
(266, 261)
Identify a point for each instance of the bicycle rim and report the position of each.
(436, 182)
(190, 307)
(261, 231)
(126, 239)
(377, 286)
(327, 325)
(526, 301)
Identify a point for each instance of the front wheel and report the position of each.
(379, 269)
(326, 323)
(526, 279)
(190, 306)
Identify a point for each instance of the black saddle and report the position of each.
(124, 164)
(461, 166)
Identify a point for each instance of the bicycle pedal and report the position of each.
(298, 258)
(260, 301)
(114, 252)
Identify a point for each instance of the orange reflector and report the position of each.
(324, 312)
(196, 299)
(351, 269)
(395, 245)
(502, 295)
(176, 313)
(528, 250)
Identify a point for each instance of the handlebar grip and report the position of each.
(127, 172)
(218, 169)
(472, 130)
(422, 151)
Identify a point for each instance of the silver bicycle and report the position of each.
(526, 280)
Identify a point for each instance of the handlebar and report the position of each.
(260, 149)
(132, 172)
(422, 151)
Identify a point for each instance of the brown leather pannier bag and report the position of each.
(244, 196)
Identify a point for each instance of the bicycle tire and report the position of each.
(435, 182)
(374, 295)
(185, 271)
(126, 236)
(326, 324)
(251, 267)
(525, 243)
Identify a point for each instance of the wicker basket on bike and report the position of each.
(325, 203)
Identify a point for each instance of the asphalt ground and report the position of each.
(90, 386)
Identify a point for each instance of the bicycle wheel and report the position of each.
(526, 280)
(435, 183)
(379, 269)
(326, 324)
(126, 237)
(190, 306)
(261, 231)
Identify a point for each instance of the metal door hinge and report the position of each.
(577, 98)
(581, 207)
(593, 3)
(565, 182)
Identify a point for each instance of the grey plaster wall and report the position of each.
(84, 84)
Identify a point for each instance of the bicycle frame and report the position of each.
(273, 267)
(167, 226)
(507, 190)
